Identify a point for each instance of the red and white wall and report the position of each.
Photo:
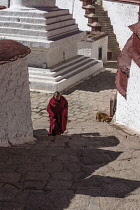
(122, 14)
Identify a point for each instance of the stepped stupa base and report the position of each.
(64, 75)
(52, 35)
(50, 32)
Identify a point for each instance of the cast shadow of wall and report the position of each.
(76, 158)
(103, 81)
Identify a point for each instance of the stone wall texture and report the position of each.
(121, 15)
(15, 115)
(128, 110)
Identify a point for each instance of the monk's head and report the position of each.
(57, 95)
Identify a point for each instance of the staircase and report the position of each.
(63, 75)
(104, 20)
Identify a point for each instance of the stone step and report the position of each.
(100, 13)
(62, 72)
(116, 49)
(113, 43)
(102, 21)
(29, 26)
(76, 69)
(116, 53)
(33, 13)
(42, 42)
(22, 38)
(62, 65)
(107, 22)
(39, 33)
(35, 20)
(103, 18)
(112, 35)
(107, 27)
(114, 46)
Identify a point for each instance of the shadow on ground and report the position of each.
(48, 174)
(103, 81)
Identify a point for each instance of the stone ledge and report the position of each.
(92, 36)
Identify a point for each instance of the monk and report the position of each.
(58, 114)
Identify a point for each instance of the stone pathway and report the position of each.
(93, 166)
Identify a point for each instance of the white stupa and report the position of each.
(52, 35)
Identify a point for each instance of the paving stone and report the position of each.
(33, 185)
(13, 206)
(58, 185)
(8, 192)
(53, 166)
(37, 200)
(79, 202)
(34, 166)
(94, 204)
(9, 177)
(62, 176)
(21, 196)
(72, 167)
(33, 176)
(5, 168)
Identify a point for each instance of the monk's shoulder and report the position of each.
(64, 100)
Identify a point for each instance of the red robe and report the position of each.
(58, 114)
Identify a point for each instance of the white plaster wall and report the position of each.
(101, 43)
(4, 3)
(128, 110)
(84, 48)
(59, 51)
(32, 3)
(121, 15)
(91, 49)
(75, 8)
(15, 114)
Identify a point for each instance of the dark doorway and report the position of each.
(100, 53)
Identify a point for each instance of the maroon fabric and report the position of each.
(2, 7)
(121, 82)
(58, 114)
(135, 28)
(130, 51)
(136, 49)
